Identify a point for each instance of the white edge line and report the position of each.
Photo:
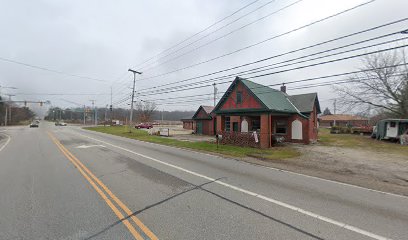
(259, 165)
(7, 142)
(271, 200)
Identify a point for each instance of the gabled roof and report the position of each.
(207, 110)
(275, 100)
(305, 102)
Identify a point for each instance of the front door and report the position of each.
(200, 127)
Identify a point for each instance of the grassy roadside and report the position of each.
(275, 153)
(360, 142)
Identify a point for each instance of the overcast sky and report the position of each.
(102, 39)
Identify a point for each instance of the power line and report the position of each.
(201, 31)
(50, 70)
(325, 83)
(59, 94)
(278, 55)
(264, 68)
(274, 37)
(329, 83)
(225, 35)
(291, 69)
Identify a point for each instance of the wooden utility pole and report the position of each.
(133, 97)
(215, 93)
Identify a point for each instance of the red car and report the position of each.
(144, 125)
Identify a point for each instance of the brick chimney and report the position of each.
(283, 88)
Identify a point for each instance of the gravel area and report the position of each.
(379, 171)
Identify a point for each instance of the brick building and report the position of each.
(247, 107)
(202, 122)
(188, 123)
(343, 120)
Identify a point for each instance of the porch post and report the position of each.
(219, 124)
(264, 139)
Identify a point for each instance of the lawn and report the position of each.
(362, 142)
(227, 150)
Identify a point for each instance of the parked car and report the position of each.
(34, 124)
(144, 125)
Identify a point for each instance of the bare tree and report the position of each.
(382, 86)
(144, 110)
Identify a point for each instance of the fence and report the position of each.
(248, 139)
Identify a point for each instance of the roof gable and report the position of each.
(249, 100)
(203, 112)
(269, 99)
(305, 102)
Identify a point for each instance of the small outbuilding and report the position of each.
(204, 120)
(391, 129)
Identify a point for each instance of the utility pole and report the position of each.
(93, 106)
(5, 108)
(106, 110)
(215, 93)
(5, 117)
(133, 96)
(334, 111)
(9, 111)
(111, 109)
(84, 116)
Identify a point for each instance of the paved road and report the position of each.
(69, 183)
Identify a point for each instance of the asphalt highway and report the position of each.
(70, 183)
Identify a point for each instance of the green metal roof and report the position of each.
(273, 99)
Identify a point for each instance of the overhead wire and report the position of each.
(273, 37)
(222, 36)
(263, 68)
(281, 54)
(291, 69)
(198, 33)
(50, 70)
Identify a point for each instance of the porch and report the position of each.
(267, 126)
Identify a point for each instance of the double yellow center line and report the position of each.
(104, 192)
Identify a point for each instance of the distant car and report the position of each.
(34, 124)
(144, 125)
(60, 124)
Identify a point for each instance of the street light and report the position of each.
(133, 96)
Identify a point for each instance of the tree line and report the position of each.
(76, 115)
(15, 114)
